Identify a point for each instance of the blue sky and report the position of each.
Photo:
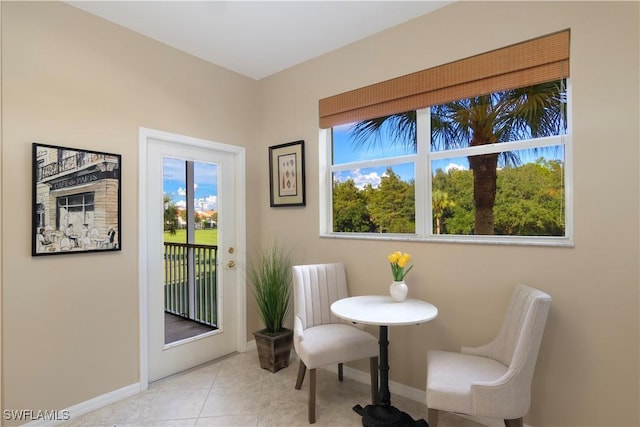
(205, 183)
(344, 152)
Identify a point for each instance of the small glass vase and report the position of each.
(398, 291)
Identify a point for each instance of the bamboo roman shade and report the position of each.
(524, 64)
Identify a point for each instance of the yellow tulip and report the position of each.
(398, 262)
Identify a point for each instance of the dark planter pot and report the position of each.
(274, 349)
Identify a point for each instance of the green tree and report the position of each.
(392, 205)
(350, 211)
(533, 111)
(531, 200)
(170, 215)
(458, 185)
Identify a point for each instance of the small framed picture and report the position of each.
(286, 173)
(76, 201)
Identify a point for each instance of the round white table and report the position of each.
(382, 311)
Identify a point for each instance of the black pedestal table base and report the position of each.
(383, 414)
(389, 416)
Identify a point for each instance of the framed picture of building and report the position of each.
(76, 201)
(286, 174)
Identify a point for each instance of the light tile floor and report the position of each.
(235, 391)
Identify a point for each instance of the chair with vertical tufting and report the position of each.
(320, 338)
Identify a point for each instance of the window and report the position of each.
(491, 168)
(75, 210)
(190, 242)
(486, 151)
(373, 181)
(190, 201)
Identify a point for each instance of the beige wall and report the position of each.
(71, 79)
(588, 366)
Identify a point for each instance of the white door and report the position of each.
(164, 359)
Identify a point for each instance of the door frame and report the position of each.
(240, 318)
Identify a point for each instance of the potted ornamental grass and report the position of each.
(271, 283)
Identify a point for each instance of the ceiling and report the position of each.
(258, 38)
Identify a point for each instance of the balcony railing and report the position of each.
(190, 284)
(75, 162)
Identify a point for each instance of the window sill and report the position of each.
(486, 240)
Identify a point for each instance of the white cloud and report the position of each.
(361, 180)
(183, 191)
(454, 166)
(209, 203)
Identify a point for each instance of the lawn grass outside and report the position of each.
(207, 236)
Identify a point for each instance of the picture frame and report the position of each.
(76, 199)
(286, 174)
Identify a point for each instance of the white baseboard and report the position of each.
(394, 387)
(64, 415)
(251, 345)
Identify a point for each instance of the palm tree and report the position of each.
(170, 215)
(515, 114)
(440, 202)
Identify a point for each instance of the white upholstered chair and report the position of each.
(494, 380)
(319, 337)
